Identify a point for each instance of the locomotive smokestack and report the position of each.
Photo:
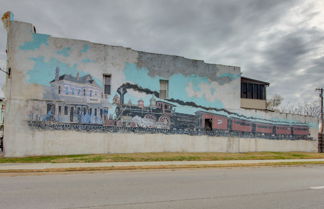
(122, 91)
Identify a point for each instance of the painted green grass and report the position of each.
(171, 156)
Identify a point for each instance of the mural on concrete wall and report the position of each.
(76, 100)
(80, 103)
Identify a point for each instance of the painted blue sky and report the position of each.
(43, 71)
(140, 76)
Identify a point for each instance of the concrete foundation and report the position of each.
(67, 142)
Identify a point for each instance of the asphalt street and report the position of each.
(240, 188)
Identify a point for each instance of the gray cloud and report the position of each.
(290, 66)
(231, 32)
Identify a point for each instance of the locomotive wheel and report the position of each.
(150, 116)
(132, 124)
(165, 120)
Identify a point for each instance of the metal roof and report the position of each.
(250, 80)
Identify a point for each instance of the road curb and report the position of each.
(158, 166)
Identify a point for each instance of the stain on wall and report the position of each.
(167, 65)
(36, 42)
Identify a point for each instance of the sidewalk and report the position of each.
(48, 167)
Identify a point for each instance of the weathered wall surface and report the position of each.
(253, 104)
(57, 103)
(67, 142)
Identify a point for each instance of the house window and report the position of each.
(66, 110)
(66, 90)
(51, 109)
(95, 112)
(244, 90)
(250, 90)
(164, 89)
(90, 93)
(262, 92)
(90, 111)
(107, 83)
(59, 110)
(59, 89)
(253, 91)
(84, 111)
(72, 91)
(71, 114)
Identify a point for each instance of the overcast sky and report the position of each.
(278, 41)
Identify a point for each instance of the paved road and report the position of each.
(239, 188)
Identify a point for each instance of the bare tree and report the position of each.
(309, 109)
(306, 108)
(274, 103)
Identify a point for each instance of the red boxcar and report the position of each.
(283, 130)
(263, 128)
(241, 125)
(218, 121)
(300, 130)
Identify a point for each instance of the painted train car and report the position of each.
(214, 122)
(243, 126)
(300, 131)
(209, 121)
(263, 129)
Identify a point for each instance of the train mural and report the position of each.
(163, 115)
(78, 103)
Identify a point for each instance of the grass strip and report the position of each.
(162, 156)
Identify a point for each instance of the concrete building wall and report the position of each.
(253, 104)
(56, 102)
(1, 112)
(67, 142)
